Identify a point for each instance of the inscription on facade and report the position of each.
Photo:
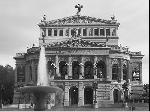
(103, 92)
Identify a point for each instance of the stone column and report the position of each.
(140, 67)
(104, 31)
(81, 94)
(121, 69)
(57, 32)
(88, 29)
(82, 68)
(52, 32)
(33, 71)
(16, 73)
(70, 68)
(57, 66)
(69, 32)
(81, 32)
(95, 68)
(64, 31)
(66, 100)
(46, 32)
(108, 69)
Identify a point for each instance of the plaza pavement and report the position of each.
(138, 107)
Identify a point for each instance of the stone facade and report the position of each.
(83, 58)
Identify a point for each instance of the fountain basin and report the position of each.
(40, 93)
(37, 89)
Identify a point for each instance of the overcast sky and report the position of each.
(19, 19)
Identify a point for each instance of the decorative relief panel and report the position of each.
(62, 58)
(87, 59)
(75, 59)
(114, 61)
(73, 84)
(88, 84)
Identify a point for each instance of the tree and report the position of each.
(6, 84)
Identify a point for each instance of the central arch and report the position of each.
(73, 93)
(63, 69)
(75, 70)
(88, 70)
(88, 95)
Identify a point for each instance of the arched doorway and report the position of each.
(88, 95)
(75, 70)
(73, 93)
(101, 69)
(63, 69)
(116, 95)
(115, 72)
(88, 70)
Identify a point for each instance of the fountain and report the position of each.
(42, 89)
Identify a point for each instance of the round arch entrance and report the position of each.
(116, 95)
(73, 93)
(88, 95)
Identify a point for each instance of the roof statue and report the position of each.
(44, 18)
(79, 8)
(113, 17)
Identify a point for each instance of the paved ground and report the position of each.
(139, 107)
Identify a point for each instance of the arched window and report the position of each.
(75, 70)
(115, 72)
(124, 72)
(21, 73)
(88, 70)
(101, 69)
(30, 71)
(63, 69)
(51, 69)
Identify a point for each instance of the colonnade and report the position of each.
(93, 31)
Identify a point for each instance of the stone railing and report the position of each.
(119, 48)
(20, 54)
(33, 49)
(136, 53)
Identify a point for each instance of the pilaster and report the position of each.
(95, 68)
(82, 68)
(81, 94)
(52, 32)
(66, 100)
(140, 67)
(70, 67)
(57, 66)
(46, 32)
(108, 69)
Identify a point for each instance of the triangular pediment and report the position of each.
(77, 19)
(76, 42)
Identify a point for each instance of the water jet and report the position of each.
(42, 89)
